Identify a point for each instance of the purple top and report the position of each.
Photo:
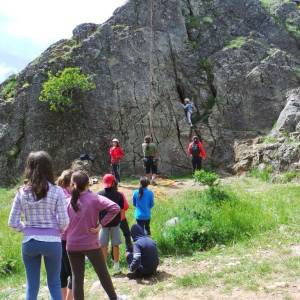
(79, 237)
(48, 216)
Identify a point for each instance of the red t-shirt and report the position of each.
(116, 154)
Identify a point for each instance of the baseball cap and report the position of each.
(108, 180)
(115, 140)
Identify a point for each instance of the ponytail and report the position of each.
(74, 199)
(80, 181)
(144, 182)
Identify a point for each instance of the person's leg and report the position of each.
(194, 164)
(118, 174)
(104, 240)
(189, 118)
(115, 233)
(154, 170)
(69, 294)
(52, 257)
(97, 260)
(115, 171)
(126, 232)
(142, 224)
(147, 167)
(198, 163)
(32, 261)
(63, 272)
(77, 261)
(147, 227)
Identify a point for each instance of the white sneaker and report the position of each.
(116, 268)
(122, 297)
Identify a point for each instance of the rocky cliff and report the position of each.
(238, 60)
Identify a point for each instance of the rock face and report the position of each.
(237, 62)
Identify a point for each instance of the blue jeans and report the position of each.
(116, 171)
(32, 252)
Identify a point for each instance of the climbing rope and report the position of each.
(151, 72)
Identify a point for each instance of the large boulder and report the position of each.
(230, 57)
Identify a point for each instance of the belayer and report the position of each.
(150, 158)
(197, 153)
(188, 107)
(116, 155)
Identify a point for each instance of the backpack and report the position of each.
(195, 150)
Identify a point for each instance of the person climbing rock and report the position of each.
(197, 153)
(188, 109)
(116, 155)
(150, 158)
(144, 260)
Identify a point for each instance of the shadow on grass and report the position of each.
(159, 276)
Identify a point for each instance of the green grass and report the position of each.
(263, 175)
(255, 216)
(236, 43)
(9, 89)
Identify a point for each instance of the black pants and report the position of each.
(150, 165)
(65, 273)
(116, 171)
(196, 163)
(146, 225)
(126, 232)
(77, 260)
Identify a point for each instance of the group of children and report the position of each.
(65, 222)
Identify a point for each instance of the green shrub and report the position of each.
(289, 176)
(236, 43)
(204, 223)
(264, 174)
(59, 89)
(292, 27)
(206, 177)
(9, 89)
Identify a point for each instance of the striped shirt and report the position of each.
(46, 217)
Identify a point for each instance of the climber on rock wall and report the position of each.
(197, 153)
(150, 158)
(188, 107)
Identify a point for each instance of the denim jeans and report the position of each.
(32, 252)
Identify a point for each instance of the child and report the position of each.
(84, 209)
(143, 201)
(188, 109)
(143, 261)
(112, 229)
(116, 155)
(65, 274)
(44, 209)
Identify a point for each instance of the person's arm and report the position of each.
(62, 211)
(126, 205)
(14, 220)
(151, 202)
(202, 150)
(122, 154)
(111, 208)
(137, 258)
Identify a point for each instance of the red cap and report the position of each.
(108, 180)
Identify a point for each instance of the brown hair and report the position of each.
(64, 179)
(81, 180)
(144, 182)
(38, 172)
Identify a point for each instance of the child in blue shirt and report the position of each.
(143, 201)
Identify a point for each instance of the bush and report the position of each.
(59, 89)
(204, 223)
(9, 89)
(263, 174)
(236, 43)
(289, 176)
(206, 177)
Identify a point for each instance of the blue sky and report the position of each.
(28, 27)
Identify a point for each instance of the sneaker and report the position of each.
(116, 269)
(122, 297)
